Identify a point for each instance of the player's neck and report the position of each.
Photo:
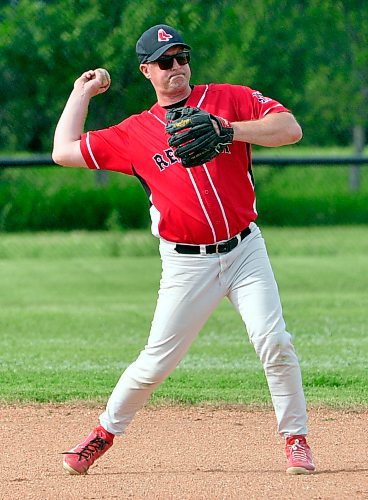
(172, 98)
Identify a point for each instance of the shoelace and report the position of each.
(90, 449)
(298, 451)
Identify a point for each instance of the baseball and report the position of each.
(106, 80)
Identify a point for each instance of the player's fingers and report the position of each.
(88, 75)
(84, 78)
(93, 81)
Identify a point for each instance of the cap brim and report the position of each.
(162, 50)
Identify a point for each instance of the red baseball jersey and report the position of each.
(200, 205)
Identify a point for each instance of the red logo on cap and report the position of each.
(162, 36)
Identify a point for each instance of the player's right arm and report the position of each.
(66, 150)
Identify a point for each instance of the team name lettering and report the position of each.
(165, 160)
(260, 97)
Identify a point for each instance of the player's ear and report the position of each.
(145, 69)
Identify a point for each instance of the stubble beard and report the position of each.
(178, 84)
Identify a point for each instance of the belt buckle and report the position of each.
(223, 247)
(217, 247)
(229, 244)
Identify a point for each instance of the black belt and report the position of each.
(223, 247)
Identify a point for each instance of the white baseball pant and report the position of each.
(190, 289)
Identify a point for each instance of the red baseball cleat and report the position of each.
(299, 456)
(79, 459)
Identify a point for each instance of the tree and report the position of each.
(310, 56)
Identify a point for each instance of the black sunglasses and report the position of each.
(166, 62)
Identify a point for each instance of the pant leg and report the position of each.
(255, 295)
(189, 291)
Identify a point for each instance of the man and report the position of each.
(204, 216)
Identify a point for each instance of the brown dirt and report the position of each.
(181, 453)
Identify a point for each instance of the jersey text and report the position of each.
(165, 160)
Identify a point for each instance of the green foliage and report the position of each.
(337, 68)
(64, 199)
(72, 322)
(54, 198)
(312, 57)
(310, 196)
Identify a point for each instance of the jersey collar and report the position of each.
(192, 101)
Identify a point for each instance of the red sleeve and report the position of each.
(258, 104)
(107, 149)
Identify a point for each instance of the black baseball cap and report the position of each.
(156, 40)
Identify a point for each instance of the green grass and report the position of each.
(76, 310)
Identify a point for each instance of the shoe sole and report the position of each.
(72, 471)
(298, 470)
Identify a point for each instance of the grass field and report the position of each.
(76, 310)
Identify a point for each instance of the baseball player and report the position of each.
(192, 153)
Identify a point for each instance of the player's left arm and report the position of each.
(275, 129)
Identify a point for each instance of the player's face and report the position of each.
(171, 81)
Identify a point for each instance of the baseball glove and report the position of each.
(197, 135)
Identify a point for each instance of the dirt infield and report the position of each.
(181, 453)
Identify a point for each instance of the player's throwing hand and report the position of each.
(93, 82)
